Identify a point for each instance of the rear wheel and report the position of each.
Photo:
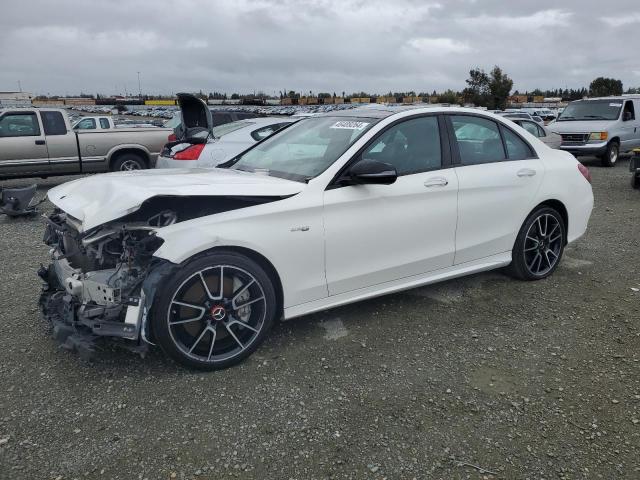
(127, 162)
(215, 312)
(539, 245)
(610, 157)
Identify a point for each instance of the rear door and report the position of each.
(498, 176)
(23, 149)
(61, 143)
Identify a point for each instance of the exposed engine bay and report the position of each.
(101, 282)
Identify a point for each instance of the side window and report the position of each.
(19, 125)
(411, 146)
(517, 149)
(264, 132)
(86, 124)
(221, 119)
(541, 132)
(628, 107)
(478, 140)
(104, 123)
(53, 123)
(531, 127)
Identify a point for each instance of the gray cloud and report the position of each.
(327, 45)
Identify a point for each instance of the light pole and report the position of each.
(139, 89)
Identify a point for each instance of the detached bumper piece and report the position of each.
(81, 327)
(18, 202)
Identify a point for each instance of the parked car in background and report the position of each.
(223, 143)
(106, 122)
(634, 168)
(217, 117)
(522, 115)
(603, 127)
(41, 142)
(335, 209)
(546, 136)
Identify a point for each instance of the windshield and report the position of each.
(591, 110)
(222, 130)
(304, 150)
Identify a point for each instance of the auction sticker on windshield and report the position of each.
(344, 124)
(615, 104)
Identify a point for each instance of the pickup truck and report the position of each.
(41, 142)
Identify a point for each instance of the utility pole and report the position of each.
(139, 89)
(19, 86)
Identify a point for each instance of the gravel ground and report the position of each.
(524, 380)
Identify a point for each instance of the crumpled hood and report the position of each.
(570, 126)
(98, 199)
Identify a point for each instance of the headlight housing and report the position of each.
(598, 136)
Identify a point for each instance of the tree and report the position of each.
(602, 87)
(499, 87)
(448, 97)
(477, 91)
(488, 90)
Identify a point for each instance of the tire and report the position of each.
(200, 330)
(533, 259)
(635, 181)
(128, 161)
(611, 155)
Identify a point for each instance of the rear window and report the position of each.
(104, 123)
(53, 123)
(222, 130)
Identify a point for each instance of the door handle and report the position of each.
(436, 182)
(40, 142)
(526, 172)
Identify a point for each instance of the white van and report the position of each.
(603, 127)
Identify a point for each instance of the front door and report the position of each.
(23, 149)
(381, 233)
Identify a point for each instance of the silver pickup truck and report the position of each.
(41, 142)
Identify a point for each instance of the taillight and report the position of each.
(585, 172)
(172, 138)
(190, 153)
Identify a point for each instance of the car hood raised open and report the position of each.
(98, 199)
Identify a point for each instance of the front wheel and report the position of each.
(539, 245)
(215, 311)
(610, 157)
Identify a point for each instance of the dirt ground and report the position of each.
(483, 377)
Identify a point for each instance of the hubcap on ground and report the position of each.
(542, 244)
(217, 313)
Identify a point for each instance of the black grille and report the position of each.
(574, 137)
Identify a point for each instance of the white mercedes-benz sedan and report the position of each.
(336, 208)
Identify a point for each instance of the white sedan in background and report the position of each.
(334, 209)
(221, 144)
(542, 132)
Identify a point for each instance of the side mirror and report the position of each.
(626, 116)
(372, 172)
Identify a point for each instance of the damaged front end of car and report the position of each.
(98, 282)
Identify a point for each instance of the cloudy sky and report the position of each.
(66, 46)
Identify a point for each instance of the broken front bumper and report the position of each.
(82, 308)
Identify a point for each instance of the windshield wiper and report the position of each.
(600, 117)
(564, 117)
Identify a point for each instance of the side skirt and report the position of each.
(484, 264)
